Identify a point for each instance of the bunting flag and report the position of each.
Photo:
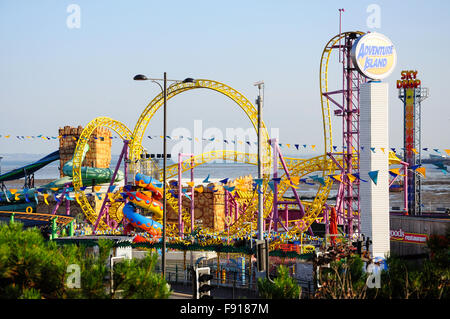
(68, 197)
(414, 167)
(111, 197)
(99, 196)
(16, 196)
(373, 176)
(258, 181)
(447, 151)
(77, 198)
(295, 179)
(373, 149)
(421, 170)
(199, 189)
(185, 194)
(13, 190)
(45, 199)
(56, 198)
(206, 180)
(277, 180)
(382, 149)
(224, 181)
(351, 177)
(304, 180)
(337, 178)
(358, 177)
(230, 189)
(318, 179)
(173, 193)
(191, 184)
(395, 172)
(414, 150)
(272, 185)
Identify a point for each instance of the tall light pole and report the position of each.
(259, 101)
(141, 77)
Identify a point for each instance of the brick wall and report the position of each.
(99, 154)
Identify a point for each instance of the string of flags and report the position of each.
(257, 184)
(292, 146)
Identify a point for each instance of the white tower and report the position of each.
(374, 198)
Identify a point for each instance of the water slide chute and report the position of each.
(147, 199)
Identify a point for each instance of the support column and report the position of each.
(375, 197)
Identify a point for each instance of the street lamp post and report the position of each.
(259, 100)
(141, 77)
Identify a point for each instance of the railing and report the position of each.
(229, 283)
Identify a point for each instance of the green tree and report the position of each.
(282, 287)
(28, 265)
(136, 279)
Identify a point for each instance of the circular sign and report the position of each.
(374, 55)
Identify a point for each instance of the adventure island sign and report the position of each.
(374, 56)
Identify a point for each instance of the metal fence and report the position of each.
(229, 283)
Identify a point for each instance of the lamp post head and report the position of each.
(259, 84)
(140, 77)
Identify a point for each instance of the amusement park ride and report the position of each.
(346, 102)
(141, 191)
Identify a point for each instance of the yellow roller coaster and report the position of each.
(297, 167)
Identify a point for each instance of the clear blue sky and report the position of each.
(53, 76)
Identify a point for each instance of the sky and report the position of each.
(54, 74)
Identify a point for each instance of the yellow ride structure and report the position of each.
(297, 167)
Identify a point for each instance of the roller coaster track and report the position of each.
(123, 132)
(296, 167)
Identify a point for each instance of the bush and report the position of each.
(137, 279)
(283, 286)
(344, 279)
(33, 268)
(28, 265)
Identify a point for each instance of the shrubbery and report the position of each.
(34, 268)
(282, 287)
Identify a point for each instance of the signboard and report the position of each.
(374, 56)
(408, 80)
(412, 238)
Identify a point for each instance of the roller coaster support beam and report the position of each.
(180, 193)
(277, 154)
(113, 178)
(61, 198)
